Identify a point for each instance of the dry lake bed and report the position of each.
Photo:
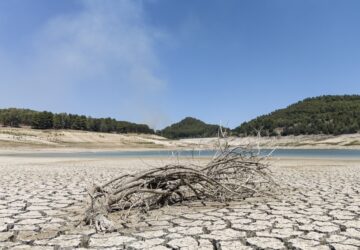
(316, 206)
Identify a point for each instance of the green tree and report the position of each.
(11, 119)
(42, 120)
(58, 122)
(79, 123)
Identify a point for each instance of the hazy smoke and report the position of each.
(99, 60)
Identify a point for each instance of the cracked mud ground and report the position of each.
(317, 207)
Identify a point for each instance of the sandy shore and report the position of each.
(316, 206)
(29, 140)
(351, 141)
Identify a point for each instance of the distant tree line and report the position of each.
(47, 120)
(331, 115)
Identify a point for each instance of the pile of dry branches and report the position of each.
(233, 173)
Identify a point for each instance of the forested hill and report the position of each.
(319, 115)
(46, 120)
(189, 128)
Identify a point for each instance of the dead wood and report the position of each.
(234, 173)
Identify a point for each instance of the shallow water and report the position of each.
(294, 153)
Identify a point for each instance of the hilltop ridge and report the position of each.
(189, 128)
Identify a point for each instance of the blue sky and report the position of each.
(158, 61)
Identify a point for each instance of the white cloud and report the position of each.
(105, 49)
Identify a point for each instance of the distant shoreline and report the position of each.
(279, 154)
